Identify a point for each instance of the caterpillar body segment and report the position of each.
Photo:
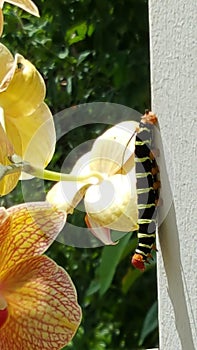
(147, 190)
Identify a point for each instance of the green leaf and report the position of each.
(76, 33)
(150, 322)
(111, 256)
(93, 288)
(63, 54)
(91, 29)
(83, 56)
(129, 279)
(69, 85)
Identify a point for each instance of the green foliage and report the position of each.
(105, 272)
(87, 50)
(150, 322)
(91, 51)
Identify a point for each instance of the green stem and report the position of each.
(54, 176)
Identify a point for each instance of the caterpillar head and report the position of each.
(138, 261)
(149, 118)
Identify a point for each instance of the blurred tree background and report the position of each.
(94, 51)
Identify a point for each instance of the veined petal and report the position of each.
(22, 89)
(4, 222)
(26, 5)
(29, 230)
(33, 136)
(112, 149)
(42, 305)
(6, 60)
(113, 202)
(101, 233)
(8, 182)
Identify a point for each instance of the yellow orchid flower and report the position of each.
(25, 120)
(26, 5)
(110, 199)
(38, 302)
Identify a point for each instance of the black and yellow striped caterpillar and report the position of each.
(147, 190)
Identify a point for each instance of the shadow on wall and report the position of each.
(170, 249)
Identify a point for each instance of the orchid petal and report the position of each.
(82, 166)
(22, 89)
(113, 202)
(26, 5)
(66, 195)
(33, 136)
(29, 229)
(113, 148)
(8, 182)
(3, 223)
(42, 305)
(6, 61)
(101, 233)
(3, 311)
(1, 22)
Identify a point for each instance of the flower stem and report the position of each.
(55, 176)
(19, 165)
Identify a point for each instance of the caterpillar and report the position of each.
(147, 190)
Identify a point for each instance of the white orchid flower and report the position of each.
(109, 191)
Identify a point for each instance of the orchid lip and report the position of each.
(3, 311)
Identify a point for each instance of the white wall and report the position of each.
(173, 48)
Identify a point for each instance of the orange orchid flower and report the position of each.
(38, 302)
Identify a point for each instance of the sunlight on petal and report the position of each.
(1, 22)
(113, 202)
(66, 195)
(42, 302)
(33, 136)
(6, 62)
(8, 182)
(113, 148)
(82, 165)
(6, 148)
(22, 93)
(31, 228)
(25, 118)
